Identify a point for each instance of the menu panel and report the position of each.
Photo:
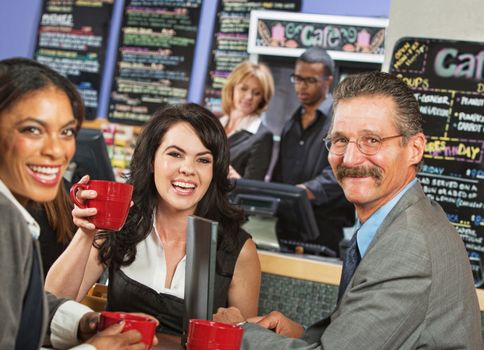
(229, 46)
(72, 40)
(155, 57)
(447, 78)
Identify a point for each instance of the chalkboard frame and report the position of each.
(304, 18)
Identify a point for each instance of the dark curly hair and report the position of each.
(119, 249)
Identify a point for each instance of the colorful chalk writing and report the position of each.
(72, 40)
(154, 59)
(459, 150)
(447, 79)
(230, 42)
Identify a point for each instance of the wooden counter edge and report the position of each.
(300, 268)
(94, 124)
(312, 270)
(480, 297)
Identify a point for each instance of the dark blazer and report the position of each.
(412, 290)
(250, 154)
(303, 159)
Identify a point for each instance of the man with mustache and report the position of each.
(303, 159)
(406, 281)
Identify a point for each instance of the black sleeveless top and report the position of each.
(128, 295)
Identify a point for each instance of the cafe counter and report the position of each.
(320, 270)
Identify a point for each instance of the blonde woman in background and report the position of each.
(246, 94)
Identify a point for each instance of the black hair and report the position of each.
(120, 248)
(21, 76)
(317, 54)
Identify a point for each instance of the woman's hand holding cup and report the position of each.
(80, 216)
(100, 204)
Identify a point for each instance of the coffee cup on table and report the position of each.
(112, 202)
(144, 325)
(211, 335)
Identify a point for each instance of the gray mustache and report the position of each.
(362, 171)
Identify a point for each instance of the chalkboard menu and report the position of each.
(155, 57)
(229, 46)
(447, 78)
(72, 40)
(346, 38)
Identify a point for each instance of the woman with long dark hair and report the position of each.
(179, 168)
(40, 113)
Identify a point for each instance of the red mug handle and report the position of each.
(73, 192)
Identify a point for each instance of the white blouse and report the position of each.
(149, 267)
(249, 123)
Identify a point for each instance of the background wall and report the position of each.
(19, 20)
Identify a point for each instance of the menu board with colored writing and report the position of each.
(72, 40)
(347, 38)
(155, 56)
(448, 80)
(229, 46)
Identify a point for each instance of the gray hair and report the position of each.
(408, 119)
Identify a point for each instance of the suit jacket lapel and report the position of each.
(413, 195)
(239, 137)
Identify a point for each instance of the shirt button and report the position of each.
(301, 142)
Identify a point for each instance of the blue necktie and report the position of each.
(350, 263)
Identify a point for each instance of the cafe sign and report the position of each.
(289, 34)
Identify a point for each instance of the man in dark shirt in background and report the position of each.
(303, 158)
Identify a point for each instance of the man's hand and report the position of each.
(308, 192)
(233, 174)
(228, 315)
(280, 324)
(275, 321)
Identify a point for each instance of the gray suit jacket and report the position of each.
(16, 254)
(412, 290)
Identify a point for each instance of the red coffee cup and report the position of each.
(145, 325)
(211, 335)
(112, 202)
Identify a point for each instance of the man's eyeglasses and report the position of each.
(368, 144)
(297, 79)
